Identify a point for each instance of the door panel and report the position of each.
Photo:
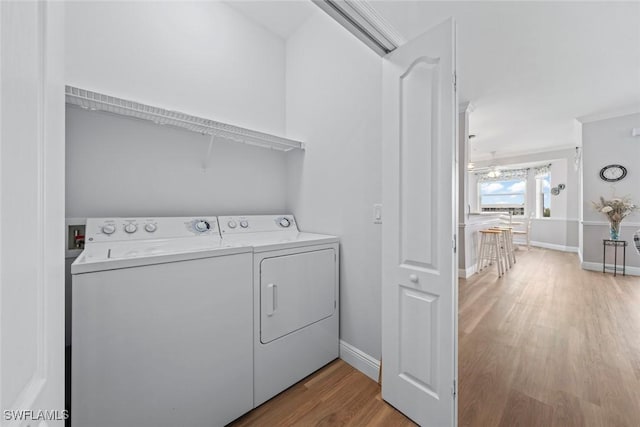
(418, 184)
(418, 339)
(419, 289)
(295, 291)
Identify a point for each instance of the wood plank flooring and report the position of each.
(547, 345)
(337, 395)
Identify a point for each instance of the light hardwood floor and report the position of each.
(547, 345)
(337, 395)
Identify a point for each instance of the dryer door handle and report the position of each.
(274, 298)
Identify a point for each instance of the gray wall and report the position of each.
(333, 103)
(609, 142)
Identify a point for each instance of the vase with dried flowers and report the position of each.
(616, 210)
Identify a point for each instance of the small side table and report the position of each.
(616, 244)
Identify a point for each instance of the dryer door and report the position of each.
(295, 291)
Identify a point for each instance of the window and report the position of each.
(505, 196)
(543, 196)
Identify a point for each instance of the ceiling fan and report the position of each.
(494, 171)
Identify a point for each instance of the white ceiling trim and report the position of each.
(484, 157)
(609, 114)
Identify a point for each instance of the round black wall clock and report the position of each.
(613, 173)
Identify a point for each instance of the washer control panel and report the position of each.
(256, 223)
(119, 229)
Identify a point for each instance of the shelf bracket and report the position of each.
(207, 158)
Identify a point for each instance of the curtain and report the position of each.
(542, 171)
(505, 175)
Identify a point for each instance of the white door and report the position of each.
(419, 278)
(32, 213)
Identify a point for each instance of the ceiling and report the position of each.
(280, 17)
(528, 68)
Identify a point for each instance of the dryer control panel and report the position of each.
(130, 229)
(256, 223)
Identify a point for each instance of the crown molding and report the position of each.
(611, 114)
(508, 155)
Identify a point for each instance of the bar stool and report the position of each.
(509, 248)
(490, 250)
(504, 248)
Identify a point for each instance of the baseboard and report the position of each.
(360, 360)
(597, 266)
(555, 247)
(465, 274)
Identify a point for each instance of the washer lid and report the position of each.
(270, 241)
(115, 255)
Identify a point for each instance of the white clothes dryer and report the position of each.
(162, 325)
(295, 297)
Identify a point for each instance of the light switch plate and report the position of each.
(377, 213)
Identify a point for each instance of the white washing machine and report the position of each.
(296, 296)
(162, 323)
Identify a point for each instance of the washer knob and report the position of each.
(201, 226)
(244, 224)
(232, 224)
(130, 228)
(150, 227)
(108, 229)
(284, 222)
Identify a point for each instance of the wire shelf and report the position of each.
(99, 102)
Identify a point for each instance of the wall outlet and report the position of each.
(377, 213)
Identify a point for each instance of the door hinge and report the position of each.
(455, 244)
(455, 82)
(454, 390)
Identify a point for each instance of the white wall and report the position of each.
(118, 166)
(205, 59)
(198, 57)
(609, 142)
(202, 58)
(561, 230)
(333, 103)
